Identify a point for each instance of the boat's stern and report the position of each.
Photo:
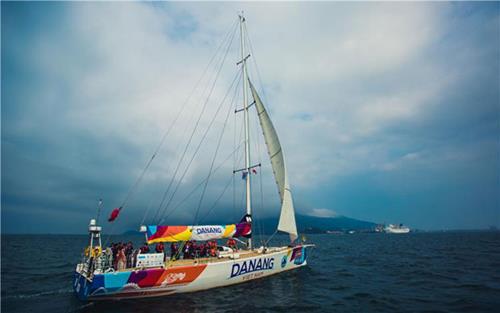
(302, 253)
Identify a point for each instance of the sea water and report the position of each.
(417, 272)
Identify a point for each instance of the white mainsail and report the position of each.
(287, 217)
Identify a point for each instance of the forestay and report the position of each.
(287, 217)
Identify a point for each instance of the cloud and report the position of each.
(358, 90)
(322, 213)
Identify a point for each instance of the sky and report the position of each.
(387, 112)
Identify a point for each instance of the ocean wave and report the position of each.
(38, 294)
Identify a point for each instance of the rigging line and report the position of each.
(242, 155)
(192, 136)
(243, 190)
(195, 128)
(147, 210)
(234, 157)
(148, 164)
(200, 183)
(257, 143)
(217, 148)
(198, 147)
(220, 196)
(199, 144)
(232, 31)
(265, 99)
(271, 237)
(240, 160)
(237, 161)
(179, 113)
(254, 59)
(217, 200)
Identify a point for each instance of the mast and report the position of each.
(245, 110)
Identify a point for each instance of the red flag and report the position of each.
(254, 171)
(114, 214)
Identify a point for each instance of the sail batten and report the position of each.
(287, 216)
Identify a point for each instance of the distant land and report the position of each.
(313, 224)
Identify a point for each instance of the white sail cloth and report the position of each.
(287, 216)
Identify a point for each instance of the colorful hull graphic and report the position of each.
(179, 279)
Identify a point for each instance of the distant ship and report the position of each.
(397, 229)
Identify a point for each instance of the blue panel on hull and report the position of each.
(115, 280)
(97, 281)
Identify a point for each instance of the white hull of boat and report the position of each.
(181, 279)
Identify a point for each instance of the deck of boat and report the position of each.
(243, 254)
(239, 255)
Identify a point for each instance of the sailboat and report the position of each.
(153, 274)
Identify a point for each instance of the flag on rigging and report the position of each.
(114, 214)
(244, 175)
(254, 171)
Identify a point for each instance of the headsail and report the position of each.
(287, 217)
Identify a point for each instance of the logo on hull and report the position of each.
(252, 266)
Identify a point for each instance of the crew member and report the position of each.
(173, 251)
(231, 243)
(145, 248)
(159, 247)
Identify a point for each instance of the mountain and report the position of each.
(308, 224)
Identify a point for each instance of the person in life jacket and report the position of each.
(115, 248)
(97, 252)
(202, 250)
(187, 250)
(193, 249)
(121, 263)
(129, 250)
(145, 248)
(213, 248)
(159, 247)
(231, 243)
(174, 249)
